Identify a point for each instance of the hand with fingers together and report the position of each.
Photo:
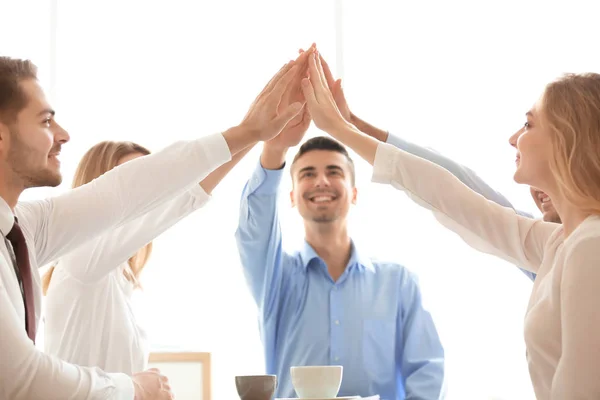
(295, 129)
(336, 90)
(152, 385)
(319, 98)
(268, 115)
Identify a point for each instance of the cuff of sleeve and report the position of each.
(200, 195)
(265, 181)
(383, 167)
(215, 148)
(124, 386)
(395, 140)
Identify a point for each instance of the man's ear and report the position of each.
(354, 195)
(292, 198)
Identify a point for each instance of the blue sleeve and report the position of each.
(464, 174)
(258, 238)
(420, 351)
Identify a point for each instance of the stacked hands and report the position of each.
(303, 90)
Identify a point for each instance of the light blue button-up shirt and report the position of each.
(371, 320)
(464, 174)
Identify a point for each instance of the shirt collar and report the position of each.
(307, 254)
(7, 217)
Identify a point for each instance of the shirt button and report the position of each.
(337, 321)
(337, 359)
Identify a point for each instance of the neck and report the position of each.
(570, 215)
(331, 243)
(10, 190)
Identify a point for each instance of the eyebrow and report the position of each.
(329, 167)
(306, 169)
(47, 111)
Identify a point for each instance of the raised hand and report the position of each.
(267, 115)
(336, 90)
(320, 100)
(151, 385)
(294, 131)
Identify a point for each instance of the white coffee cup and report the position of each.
(317, 382)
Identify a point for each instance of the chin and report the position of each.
(551, 217)
(518, 177)
(49, 179)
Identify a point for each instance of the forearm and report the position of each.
(483, 224)
(365, 146)
(466, 175)
(273, 157)
(369, 129)
(121, 195)
(214, 178)
(239, 138)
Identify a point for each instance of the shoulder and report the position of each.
(582, 254)
(394, 269)
(584, 239)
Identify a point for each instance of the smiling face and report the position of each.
(534, 150)
(323, 186)
(30, 144)
(544, 204)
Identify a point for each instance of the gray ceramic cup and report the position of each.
(256, 387)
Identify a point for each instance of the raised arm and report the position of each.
(576, 376)
(485, 225)
(61, 224)
(464, 174)
(419, 351)
(116, 247)
(258, 238)
(258, 235)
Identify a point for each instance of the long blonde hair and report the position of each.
(570, 107)
(98, 160)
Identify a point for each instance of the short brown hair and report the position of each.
(12, 97)
(327, 144)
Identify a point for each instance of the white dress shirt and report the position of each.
(89, 317)
(562, 324)
(57, 226)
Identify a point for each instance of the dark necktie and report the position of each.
(17, 240)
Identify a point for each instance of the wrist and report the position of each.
(342, 128)
(353, 118)
(240, 137)
(273, 157)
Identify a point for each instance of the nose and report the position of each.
(60, 134)
(515, 136)
(322, 181)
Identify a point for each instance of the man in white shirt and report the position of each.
(35, 233)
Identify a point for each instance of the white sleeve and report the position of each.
(28, 374)
(60, 224)
(483, 224)
(93, 260)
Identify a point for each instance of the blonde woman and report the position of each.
(558, 151)
(89, 318)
